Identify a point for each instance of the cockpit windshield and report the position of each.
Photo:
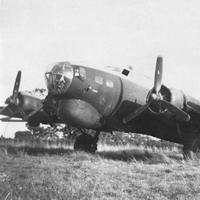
(58, 77)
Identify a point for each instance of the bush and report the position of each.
(23, 135)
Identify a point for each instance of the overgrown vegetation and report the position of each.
(52, 170)
(39, 165)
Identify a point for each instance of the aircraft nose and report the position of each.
(58, 77)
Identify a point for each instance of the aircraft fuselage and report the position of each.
(100, 100)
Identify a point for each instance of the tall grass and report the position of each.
(34, 146)
(114, 172)
(128, 152)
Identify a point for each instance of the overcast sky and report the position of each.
(35, 33)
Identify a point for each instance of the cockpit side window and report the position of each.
(83, 73)
(76, 72)
(80, 72)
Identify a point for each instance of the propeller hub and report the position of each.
(156, 97)
(10, 100)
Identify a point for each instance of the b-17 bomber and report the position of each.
(89, 98)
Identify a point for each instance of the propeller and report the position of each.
(12, 100)
(157, 97)
(45, 102)
(180, 114)
(2, 109)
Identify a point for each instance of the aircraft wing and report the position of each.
(6, 111)
(8, 119)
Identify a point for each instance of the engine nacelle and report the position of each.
(28, 102)
(177, 98)
(174, 96)
(79, 113)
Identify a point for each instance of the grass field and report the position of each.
(114, 172)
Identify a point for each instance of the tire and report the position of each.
(33, 122)
(85, 143)
(191, 148)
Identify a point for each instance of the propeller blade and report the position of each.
(158, 74)
(2, 109)
(16, 86)
(26, 118)
(12, 102)
(9, 111)
(9, 119)
(176, 111)
(136, 112)
(21, 111)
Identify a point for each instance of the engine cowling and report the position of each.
(173, 96)
(177, 98)
(28, 102)
(161, 99)
(79, 113)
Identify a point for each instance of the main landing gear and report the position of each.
(86, 142)
(191, 143)
(191, 147)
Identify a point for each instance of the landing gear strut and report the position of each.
(86, 142)
(191, 147)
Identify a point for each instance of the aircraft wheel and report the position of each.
(33, 122)
(191, 148)
(85, 143)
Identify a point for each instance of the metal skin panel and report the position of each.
(192, 104)
(79, 113)
(103, 98)
(29, 103)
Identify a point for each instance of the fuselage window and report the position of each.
(109, 83)
(125, 72)
(99, 80)
(76, 72)
(83, 73)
